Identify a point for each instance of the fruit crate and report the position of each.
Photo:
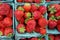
(54, 31)
(26, 35)
(30, 2)
(5, 37)
(6, 0)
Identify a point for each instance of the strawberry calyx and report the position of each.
(27, 4)
(10, 35)
(51, 9)
(28, 15)
(22, 29)
(49, 38)
(36, 5)
(1, 33)
(20, 8)
(58, 17)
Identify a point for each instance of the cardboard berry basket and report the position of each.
(30, 2)
(53, 31)
(12, 6)
(6, 0)
(26, 35)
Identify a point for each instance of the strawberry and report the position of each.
(27, 7)
(1, 17)
(42, 22)
(37, 15)
(51, 37)
(38, 1)
(20, 8)
(19, 14)
(58, 22)
(58, 28)
(1, 32)
(31, 23)
(28, 0)
(52, 24)
(57, 37)
(19, 0)
(21, 28)
(48, 0)
(4, 9)
(21, 20)
(7, 21)
(42, 9)
(35, 6)
(23, 39)
(50, 14)
(34, 39)
(27, 15)
(8, 32)
(42, 31)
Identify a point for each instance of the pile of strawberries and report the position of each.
(54, 16)
(31, 18)
(31, 1)
(6, 21)
(54, 37)
(34, 38)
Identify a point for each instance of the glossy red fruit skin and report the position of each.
(37, 1)
(7, 22)
(8, 31)
(42, 22)
(42, 9)
(58, 22)
(51, 37)
(36, 15)
(48, 0)
(52, 24)
(34, 39)
(20, 26)
(4, 7)
(42, 31)
(19, 0)
(58, 28)
(57, 38)
(19, 14)
(1, 17)
(28, 0)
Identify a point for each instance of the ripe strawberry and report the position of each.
(19, 14)
(19, 0)
(21, 28)
(35, 6)
(37, 1)
(20, 8)
(21, 20)
(34, 39)
(58, 28)
(23, 39)
(58, 22)
(1, 32)
(28, 0)
(7, 21)
(57, 37)
(27, 15)
(42, 22)
(4, 9)
(27, 7)
(42, 31)
(51, 37)
(1, 17)
(8, 32)
(42, 9)
(48, 0)
(37, 15)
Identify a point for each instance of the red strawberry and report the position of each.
(19, 14)
(23, 39)
(27, 15)
(8, 32)
(43, 38)
(37, 15)
(51, 37)
(58, 28)
(10, 13)
(50, 14)
(42, 31)
(1, 32)
(27, 6)
(19, 0)
(42, 22)
(58, 22)
(20, 28)
(4, 9)
(21, 20)
(7, 21)
(28, 0)
(57, 38)
(42, 9)
(37, 1)
(1, 17)
(35, 6)
(34, 39)
(48, 0)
